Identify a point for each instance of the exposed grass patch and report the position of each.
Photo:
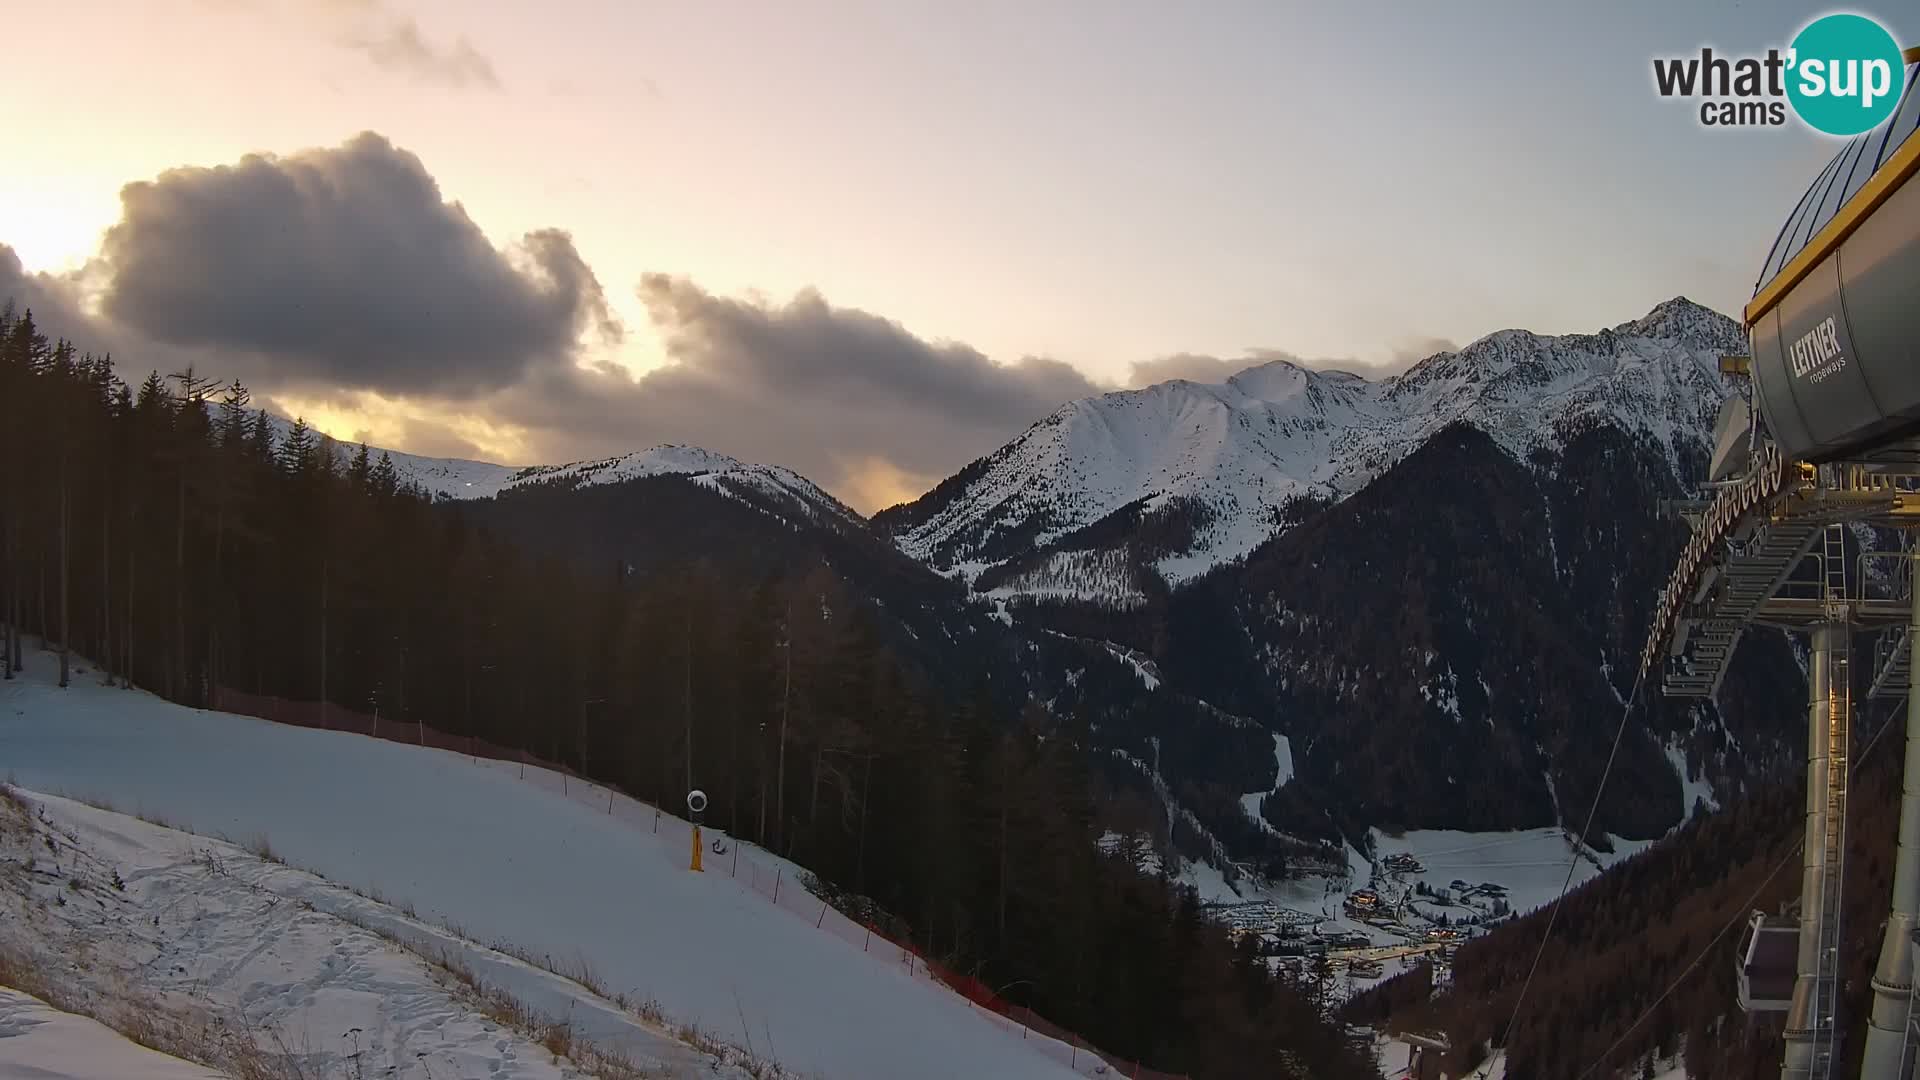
(262, 849)
(238, 1050)
(200, 1037)
(558, 1040)
(15, 802)
(16, 813)
(556, 1036)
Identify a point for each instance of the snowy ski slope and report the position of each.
(517, 861)
(120, 916)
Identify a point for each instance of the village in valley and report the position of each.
(1360, 933)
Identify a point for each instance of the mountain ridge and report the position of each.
(1221, 462)
(1231, 456)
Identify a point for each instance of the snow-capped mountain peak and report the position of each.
(1680, 319)
(772, 487)
(1210, 469)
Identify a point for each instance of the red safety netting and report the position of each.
(773, 878)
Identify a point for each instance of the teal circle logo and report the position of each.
(1844, 74)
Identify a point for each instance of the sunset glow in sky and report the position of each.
(951, 217)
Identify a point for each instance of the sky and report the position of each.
(870, 241)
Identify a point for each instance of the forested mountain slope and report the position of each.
(167, 531)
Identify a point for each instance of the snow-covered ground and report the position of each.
(40, 1041)
(1694, 790)
(1283, 766)
(1530, 864)
(124, 915)
(556, 874)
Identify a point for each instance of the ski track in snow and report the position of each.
(516, 860)
(211, 926)
(1283, 772)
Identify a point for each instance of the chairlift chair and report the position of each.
(1764, 964)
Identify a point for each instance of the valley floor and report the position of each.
(1427, 881)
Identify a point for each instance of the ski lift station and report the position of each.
(1819, 447)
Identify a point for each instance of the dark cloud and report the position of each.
(397, 45)
(340, 281)
(808, 347)
(830, 391)
(343, 267)
(852, 400)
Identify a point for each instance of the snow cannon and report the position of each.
(697, 806)
(1833, 325)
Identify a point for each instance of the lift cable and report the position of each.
(1740, 914)
(1573, 864)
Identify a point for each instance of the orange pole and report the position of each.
(696, 849)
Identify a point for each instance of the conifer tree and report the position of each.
(386, 479)
(260, 439)
(295, 456)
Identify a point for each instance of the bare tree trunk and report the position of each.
(583, 737)
(19, 600)
(733, 773)
(106, 588)
(19, 607)
(177, 676)
(126, 668)
(813, 792)
(1006, 797)
(686, 692)
(760, 767)
(786, 700)
(860, 859)
(218, 606)
(323, 641)
(10, 608)
(66, 625)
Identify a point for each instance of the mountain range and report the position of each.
(1427, 586)
(1052, 512)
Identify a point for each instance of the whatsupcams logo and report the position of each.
(1841, 75)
